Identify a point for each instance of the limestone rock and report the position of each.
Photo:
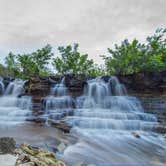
(29, 156)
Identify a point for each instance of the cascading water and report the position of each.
(106, 122)
(14, 110)
(58, 104)
(2, 87)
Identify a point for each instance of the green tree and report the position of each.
(156, 52)
(126, 58)
(41, 58)
(133, 57)
(12, 65)
(26, 65)
(72, 61)
(97, 71)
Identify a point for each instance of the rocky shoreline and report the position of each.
(25, 155)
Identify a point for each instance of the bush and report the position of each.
(133, 57)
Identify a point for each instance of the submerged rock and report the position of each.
(135, 134)
(61, 125)
(30, 156)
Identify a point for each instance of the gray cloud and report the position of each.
(95, 24)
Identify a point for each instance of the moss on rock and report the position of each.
(29, 156)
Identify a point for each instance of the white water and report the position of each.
(59, 103)
(2, 87)
(105, 121)
(14, 110)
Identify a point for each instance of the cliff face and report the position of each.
(40, 87)
(145, 84)
(150, 88)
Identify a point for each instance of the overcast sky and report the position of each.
(26, 25)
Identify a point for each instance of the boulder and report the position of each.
(29, 156)
(61, 125)
(7, 145)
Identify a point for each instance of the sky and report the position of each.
(26, 25)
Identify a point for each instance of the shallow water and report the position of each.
(113, 130)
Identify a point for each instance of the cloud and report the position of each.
(96, 25)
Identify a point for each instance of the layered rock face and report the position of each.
(150, 88)
(40, 87)
(145, 84)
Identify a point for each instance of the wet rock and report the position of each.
(38, 120)
(160, 129)
(60, 125)
(7, 145)
(61, 147)
(145, 82)
(75, 84)
(105, 78)
(52, 144)
(38, 86)
(28, 156)
(135, 134)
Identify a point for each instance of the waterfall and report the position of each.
(14, 109)
(105, 121)
(59, 103)
(101, 110)
(2, 87)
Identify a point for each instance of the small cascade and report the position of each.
(117, 88)
(104, 120)
(14, 109)
(14, 88)
(58, 104)
(59, 89)
(2, 87)
(102, 110)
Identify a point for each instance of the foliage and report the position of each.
(72, 61)
(97, 71)
(126, 58)
(133, 57)
(26, 65)
(12, 65)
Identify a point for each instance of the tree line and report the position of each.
(126, 58)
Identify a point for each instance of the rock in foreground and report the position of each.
(29, 156)
(7, 145)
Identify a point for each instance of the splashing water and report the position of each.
(2, 87)
(14, 110)
(106, 122)
(58, 104)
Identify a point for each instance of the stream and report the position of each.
(111, 127)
